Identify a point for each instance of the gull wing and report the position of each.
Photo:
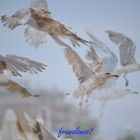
(34, 36)
(126, 47)
(21, 64)
(21, 131)
(80, 69)
(14, 87)
(18, 18)
(39, 4)
(93, 57)
(102, 53)
(39, 129)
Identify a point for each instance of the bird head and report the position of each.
(39, 11)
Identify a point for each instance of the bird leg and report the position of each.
(86, 101)
(126, 80)
(102, 110)
(81, 103)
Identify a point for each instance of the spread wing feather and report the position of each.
(34, 36)
(39, 4)
(102, 53)
(80, 69)
(21, 64)
(39, 129)
(126, 47)
(14, 87)
(18, 18)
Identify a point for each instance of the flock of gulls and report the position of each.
(100, 68)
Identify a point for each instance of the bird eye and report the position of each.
(107, 73)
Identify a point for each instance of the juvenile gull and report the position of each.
(40, 24)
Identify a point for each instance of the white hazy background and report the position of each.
(94, 15)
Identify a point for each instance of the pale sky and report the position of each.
(80, 15)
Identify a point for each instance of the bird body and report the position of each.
(90, 85)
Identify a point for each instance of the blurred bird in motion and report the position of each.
(93, 75)
(10, 127)
(98, 76)
(127, 50)
(40, 24)
(39, 131)
(12, 65)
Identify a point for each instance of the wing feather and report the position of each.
(39, 4)
(126, 47)
(39, 129)
(102, 53)
(14, 87)
(34, 36)
(18, 18)
(80, 69)
(21, 64)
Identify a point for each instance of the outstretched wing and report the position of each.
(39, 4)
(38, 129)
(126, 47)
(34, 37)
(21, 64)
(80, 69)
(102, 53)
(19, 18)
(92, 56)
(14, 87)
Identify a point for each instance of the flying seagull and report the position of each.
(40, 24)
(95, 74)
(98, 76)
(127, 53)
(12, 65)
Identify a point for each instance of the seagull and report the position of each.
(127, 50)
(40, 24)
(93, 75)
(12, 65)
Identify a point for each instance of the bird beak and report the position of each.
(115, 75)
